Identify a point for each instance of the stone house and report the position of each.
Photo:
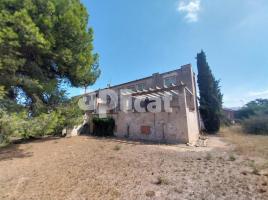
(229, 114)
(180, 124)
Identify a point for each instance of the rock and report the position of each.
(201, 143)
(264, 184)
(244, 173)
(150, 193)
(261, 190)
(264, 172)
(178, 190)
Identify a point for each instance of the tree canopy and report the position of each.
(256, 107)
(210, 95)
(44, 44)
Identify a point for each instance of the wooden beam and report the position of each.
(159, 90)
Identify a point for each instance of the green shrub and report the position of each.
(256, 124)
(103, 126)
(2, 92)
(20, 124)
(70, 114)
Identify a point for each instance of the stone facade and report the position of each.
(229, 114)
(179, 126)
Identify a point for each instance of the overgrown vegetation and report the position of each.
(254, 117)
(103, 126)
(256, 124)
(247, 144)
(210, 95)
(24, 126)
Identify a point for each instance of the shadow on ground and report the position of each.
(13, 151)
(127, 140)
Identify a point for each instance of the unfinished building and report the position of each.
(178, 124)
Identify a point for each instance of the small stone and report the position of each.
(178, 190)
(264, 184)
(261, 190)
(150, 193)
(244, 173)
(264, 172)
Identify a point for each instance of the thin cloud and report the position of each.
(190, 8)
(263, 94)
(233, 100)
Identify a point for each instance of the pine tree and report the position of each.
(210, 95)
(44, 44)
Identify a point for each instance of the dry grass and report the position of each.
(161, 181)
(232, 157)
(150, 193)
(254, 146)
(113, 169)
(116, 148)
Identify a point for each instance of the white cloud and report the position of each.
(244, 97)
(263, 94)
(191, 8)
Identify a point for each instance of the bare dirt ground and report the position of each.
(89, 168)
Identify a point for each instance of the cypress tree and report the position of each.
(210, 95)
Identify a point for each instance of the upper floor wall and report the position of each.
(184, 74)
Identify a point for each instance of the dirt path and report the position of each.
(89, 168)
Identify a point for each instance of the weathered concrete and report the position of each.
(179, 126)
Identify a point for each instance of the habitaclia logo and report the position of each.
(108, 100)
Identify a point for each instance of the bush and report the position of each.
(21, 125)
(17, 122)
(103, 126)
(70, 114)
(256, 124)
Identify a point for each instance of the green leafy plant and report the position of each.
(20, 124)
(45, 45)
(253, 108)
(257, 124)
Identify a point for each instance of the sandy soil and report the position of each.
(89, 168)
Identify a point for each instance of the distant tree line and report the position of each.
(254, 116)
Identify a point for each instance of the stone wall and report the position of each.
(179, 126)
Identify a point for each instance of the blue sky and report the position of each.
(136, 38)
